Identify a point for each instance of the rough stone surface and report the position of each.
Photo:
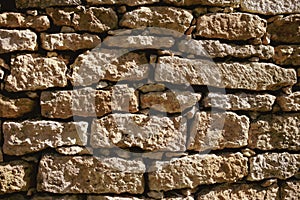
(194, 170)
(31, 136)
(287, 55)
(88, 102)
(74, 150)
(289, 102)
(223, 3)
(35, 73)
(211, 131)
(69, 41)
(233, 26)
(273, 165)
(19, 20)
(172, 101)
(56, 197)
(240, 191)
(251, 76)
(290, 190)
(45, 3)
(137, 130)
(17, 40)
(165, 17)
(285, 29)
(125, 2)
(276, 132)
(271, 7)
(240, 101)
(13, 108)
(84, 174)
(16, 176)
(92, 19)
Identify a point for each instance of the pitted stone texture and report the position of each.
(212, 131)
(87, 174)
(172, 101)
(94, 197)
(45, 3)
(271, 7)
(35, 73)
(222, 3)
(217, 49)
(19, 20)
(122, 2)
(96, 20)
(172, 18)
(31, 136)
(137, 130)
(88, 102)
(69, 41)
(239, 192)
(289, 102)
(251, 76)
(285, 29)
(290, 190)
(14, 108)
(233, 26)
(115, 65)
(287, 55)
(16, 176)
(276, 132)
(194, 170)
(17, 40)
(240, 101)
(273, 165)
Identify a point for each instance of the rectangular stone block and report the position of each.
(122, 2)
(21, 4)
(289, 102)
(290, 190)
(221, 3)
(287, 55)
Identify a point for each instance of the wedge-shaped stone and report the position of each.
(276, 132)
(240, 191)
(69, 41)
(17, 40)
(35, 73)
(137, 130)
(31, 136)
(233, 26)
(87, 174)
(240, 101)
(194, 170)
(287, 55)
(88, 102)
(125, 2)
(273, 165)
(290, 190)
(211, 131)
(222, 3)
(289, 102)
(250, 76)
(16, 176)
(172, 18)
(45, 3)
(80, 18)
(271, 7)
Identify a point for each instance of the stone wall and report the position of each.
(150, 99)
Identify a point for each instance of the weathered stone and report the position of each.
(87, 174)
(17, 40)
(239, 191)
(233, 26)
(273, 165)
(194, 170)
(290, 190)
(14, 108)
(287, 55)
(172, 101)
(285, 29)
(75, 150)
(216, 49)
(271, 7)
(155, 87)
(94, 66)
(97, 197)
(88, 102)
(16, 176)
(35, 73)
(289, 102)
(19, 20)
(251, 76)
(31, 136)
(56, 197)
(92, 19)
(211, 131)
(69, 41)
(125, 2)
(175, 19)
(275, 132)
(240, 101)
(45, 3)
(222, 3)
(137, 130)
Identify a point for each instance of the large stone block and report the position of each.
(289, 102)
(45, 3)
(122, 2)
(287, 55)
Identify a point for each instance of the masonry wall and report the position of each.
(150, 99)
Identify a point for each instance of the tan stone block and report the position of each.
(290, 190)
(126, 2)
(222, 3)
(287, 55)
(289, 102)
(45, 3)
